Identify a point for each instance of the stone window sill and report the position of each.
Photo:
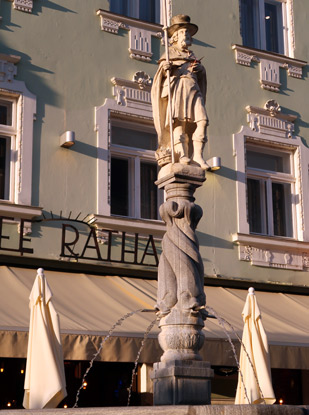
(125, 21)
(140, 33)
(15, 211)
(275, 252)
(155, 228)
(270, 63)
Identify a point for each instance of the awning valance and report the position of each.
(89, 305)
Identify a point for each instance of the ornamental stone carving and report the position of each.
(7, 67)
(270, 75)
(273, 107)
(109, 25)
(270, 65)
(23, 5)
(181, 281)
(140, 33)
(274, 258)
(133, 94)
(142, 79)
(270, 120)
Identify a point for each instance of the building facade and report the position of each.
(77, 173)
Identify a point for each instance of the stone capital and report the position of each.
(180, 173)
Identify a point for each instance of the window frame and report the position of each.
(301, 162)
(269, 127)
(134, 113)
(9, 133)
(135, 156)
(285, 26)
(9, 170)
(134, 11)
(269, 177)
(19, 203)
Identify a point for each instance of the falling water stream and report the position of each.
(110, 332)
(149, 328)
(222, 323)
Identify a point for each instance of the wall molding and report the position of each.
(8, 69)
(23, 5)
(134, 94)
(273, 252)
(270, 64)
(270, 121)
(140, 33)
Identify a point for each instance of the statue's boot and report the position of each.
(198, 147)
(181, 148)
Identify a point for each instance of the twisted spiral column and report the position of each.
(181, 299)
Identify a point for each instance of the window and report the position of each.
(133, 170)
(148, 10)
(127, 198)
(265, 25)
(7, 146)
(270, 191)
(271, 183)
(17, 112)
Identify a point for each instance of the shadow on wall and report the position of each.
(299, 123)
(38, 5)
(43, 4)
(32, 75)
(89, 150)
(201, 43)
(227, 173)
(212, 241)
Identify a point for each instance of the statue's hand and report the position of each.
(197, 67)
(167, 66)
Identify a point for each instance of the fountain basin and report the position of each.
(172, 410)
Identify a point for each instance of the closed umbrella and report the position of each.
(44, 380)
(254, 378)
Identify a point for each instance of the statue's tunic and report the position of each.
(188, 93)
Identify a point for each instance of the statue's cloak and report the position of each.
(188, 94)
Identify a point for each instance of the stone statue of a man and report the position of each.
(188, 94)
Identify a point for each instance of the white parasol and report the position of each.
(45, 380)
(254, 378)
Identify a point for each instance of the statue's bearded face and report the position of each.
(184, 38)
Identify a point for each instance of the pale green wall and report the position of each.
(67, 62)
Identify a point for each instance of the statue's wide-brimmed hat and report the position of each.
(179, 21)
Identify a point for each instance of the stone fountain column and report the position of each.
(178, 96)
(181, 377)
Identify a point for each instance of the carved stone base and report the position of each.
(181, 336)
(181, 382)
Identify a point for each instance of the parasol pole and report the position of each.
(168, 79)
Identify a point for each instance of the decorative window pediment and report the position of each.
(270, 121)
(140, 33)
(135, 93)
(270, 64)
